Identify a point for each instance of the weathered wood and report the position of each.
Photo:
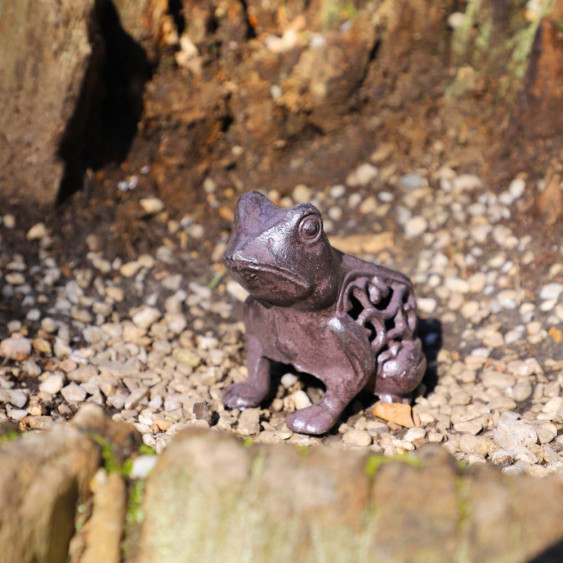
(45, 51)
(211, 498)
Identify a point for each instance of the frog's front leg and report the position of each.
(250, 393)
(344, 366)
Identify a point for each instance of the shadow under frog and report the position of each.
(349, 323)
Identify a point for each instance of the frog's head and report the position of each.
(282, 256)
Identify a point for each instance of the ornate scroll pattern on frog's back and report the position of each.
(384, 305)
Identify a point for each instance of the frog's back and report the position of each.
(353, 267)
(380, 300)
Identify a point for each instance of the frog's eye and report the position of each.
(310, 227)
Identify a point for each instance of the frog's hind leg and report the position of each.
(345, 372)
(400, 372)
(252, 392)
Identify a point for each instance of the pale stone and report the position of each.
(511, 432)
(152, 205)
(301, 193)
(477, 282)
(471, 427)
(362, 176)
(551, 291)
(456, 19)
(82, 373)
(143, 466)
(415, 226)
(130, 269)
(491, 378)
(522, 391)
(53, 384)
(38, 231)
(546, 432)
(426, 305)
(15, 348)
(369, 205)
(466, 182)
(146, 316)
(73, 393)
(135, 397)
(289, 380)
(413, 434)
(237, 291)
(359, 438)
(249, 422)
(300, 399)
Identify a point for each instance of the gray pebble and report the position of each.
(73, 393)
(53, 384)
(551, 291)
(359, 438)
(412, 181)
(249, 422)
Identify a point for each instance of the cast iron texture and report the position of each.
(347, 322)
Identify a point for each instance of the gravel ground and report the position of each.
(156, 347)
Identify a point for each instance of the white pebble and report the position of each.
(466, 182)
(73, 393)
(146, 317)
(512, 433)
(53, 384)
(415, 226)
(130, 269)
(15, 348)
(551, 291)
(152, 205)
(9, 221)
(517, 187)
(456, 19)
(38, 231)
(300, 399)
(426, 305)
(301, 193)
(289, 380)
(413, 434)
(412, 181)
(249, 422)
(362, 176)
(359, 438)
(143, 466)
(237, 291)
(337, 191)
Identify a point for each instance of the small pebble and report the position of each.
(38, 231)
(301, 193)
(551, 291)
(73, 393)
(53, 384)
(146, 316)
(411, 181)
(249, 422)
(15, 348)
(362, 176)
(415, 227)
(359, 438)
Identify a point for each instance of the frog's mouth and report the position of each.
(255, 276)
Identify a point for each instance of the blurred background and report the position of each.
(198, 101)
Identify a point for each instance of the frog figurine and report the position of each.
(348, 322)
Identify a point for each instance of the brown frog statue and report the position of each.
(347, 322)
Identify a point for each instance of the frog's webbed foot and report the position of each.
(243, 395)
(316, 419)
